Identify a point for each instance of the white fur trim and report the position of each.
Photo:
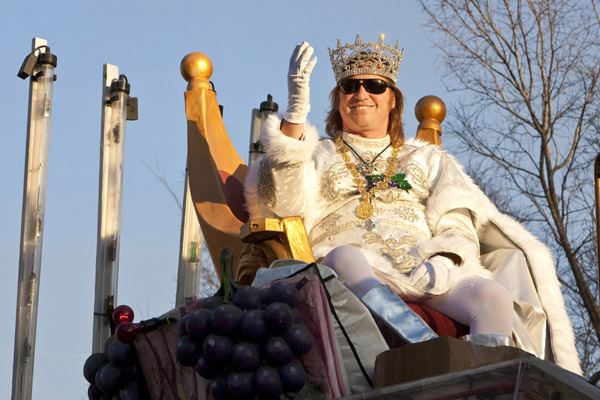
(283, 149)
(251, 190)
(544, 276)
(453, 190)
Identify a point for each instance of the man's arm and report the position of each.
(294, 131)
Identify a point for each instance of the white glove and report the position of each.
(432, 274)
(298, 77)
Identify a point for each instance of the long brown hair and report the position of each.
(334, 124)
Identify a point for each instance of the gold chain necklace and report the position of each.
(365, 208)
(366, 168)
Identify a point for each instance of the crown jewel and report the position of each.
(366, 58)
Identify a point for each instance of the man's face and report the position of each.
(366, 114)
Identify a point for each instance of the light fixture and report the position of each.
(39, 65)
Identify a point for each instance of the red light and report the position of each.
(127, 332)
(122, 314)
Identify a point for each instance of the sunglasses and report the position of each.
(373, 86)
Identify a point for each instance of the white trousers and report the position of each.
(482, 304)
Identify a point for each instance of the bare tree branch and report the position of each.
(208, 275)
(159, 173)
(531, 69)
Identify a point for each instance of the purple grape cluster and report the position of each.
(112, 374)
(248, 349)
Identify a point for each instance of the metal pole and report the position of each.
(32, 223)
(597, 181)
(115, 94)
(190, 252)
(255, 147)
(258, 116)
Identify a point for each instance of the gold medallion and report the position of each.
(364, 210)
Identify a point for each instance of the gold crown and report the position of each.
(366, 58)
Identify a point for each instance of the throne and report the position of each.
(216, 175)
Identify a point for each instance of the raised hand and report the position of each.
(301, 66)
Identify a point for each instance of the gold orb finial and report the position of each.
(196, 66)
(430, 107)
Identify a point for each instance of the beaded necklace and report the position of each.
(365, 208)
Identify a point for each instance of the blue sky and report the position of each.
(249, 44)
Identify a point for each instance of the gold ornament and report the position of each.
(365, 208)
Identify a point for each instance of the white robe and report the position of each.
(444, 211)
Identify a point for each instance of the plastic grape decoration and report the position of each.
(112, 373)
(245, 340)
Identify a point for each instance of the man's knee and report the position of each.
(494, 297)
(343, 257)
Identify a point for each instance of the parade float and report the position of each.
(281, 326)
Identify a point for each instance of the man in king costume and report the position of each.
(399, 219)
